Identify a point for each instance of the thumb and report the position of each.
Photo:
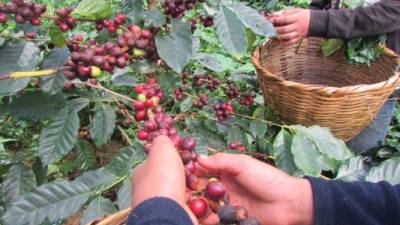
(163, 151)
(226, 163)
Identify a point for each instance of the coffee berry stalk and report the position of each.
(207, 195)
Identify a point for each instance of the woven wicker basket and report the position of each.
(304, 87)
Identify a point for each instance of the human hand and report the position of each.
(270, 195)
(292, 25)
(162, 175)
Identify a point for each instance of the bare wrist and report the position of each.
(302, 203)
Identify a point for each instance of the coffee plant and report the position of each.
(86, 86)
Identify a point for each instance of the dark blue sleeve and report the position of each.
(159, 211)
(355, 203)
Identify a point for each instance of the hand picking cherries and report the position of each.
(207, 196)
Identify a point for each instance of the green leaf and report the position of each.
(121, 77)
(128, 157)
(186, 104)
(133, 9)
(19, 180)
(201, 131)
(352, 170)
(86, 156)
(56, 200)
(351, 4)
(253, 20)
(55, 83)
(209, 61)
(40, 171)
(79, 103)
(231, 32)
(282, 152)
(330, 46)
(59, 137)
(305, 155)
(388, 170)
(17, 56)
(167, 81)
(326, 143)
(251, 38)
(34, 105)
(124, 195)
(103, 124)
(234, 134)
(94, 10)
(331, 165)
(99, 207)
(96, 180)
(57, 36)
(258, 129)
(176, 48)
(154, 18)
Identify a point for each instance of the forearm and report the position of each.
(159, 211)
(356, 203)
(380, 18)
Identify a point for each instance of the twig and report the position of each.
(99, 87)
(76, 19)
(125, 135)
(26, 74)
(261, 120)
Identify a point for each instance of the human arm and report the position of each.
(158, 186)
(356, 203)
(276, 198)
(159, 211)
(380, 18)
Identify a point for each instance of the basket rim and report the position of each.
(331, 90)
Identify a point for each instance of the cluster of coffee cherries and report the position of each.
(208, 195)
(201, 101)
(148, 98)
(179, 93)
(141, 42)
(87, 61)
(247, 98)
(238, 146)
(223, 110)
(232, 91)
(208, 21)
(110, 25)
(64, 20)
(177, 8)
(210, 82)
(214, 197)
(22, 11)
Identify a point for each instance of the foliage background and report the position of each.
(95, 175)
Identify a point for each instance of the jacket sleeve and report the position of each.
(380, 18)
(319, 4)
(159, 211)
(357, 203)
